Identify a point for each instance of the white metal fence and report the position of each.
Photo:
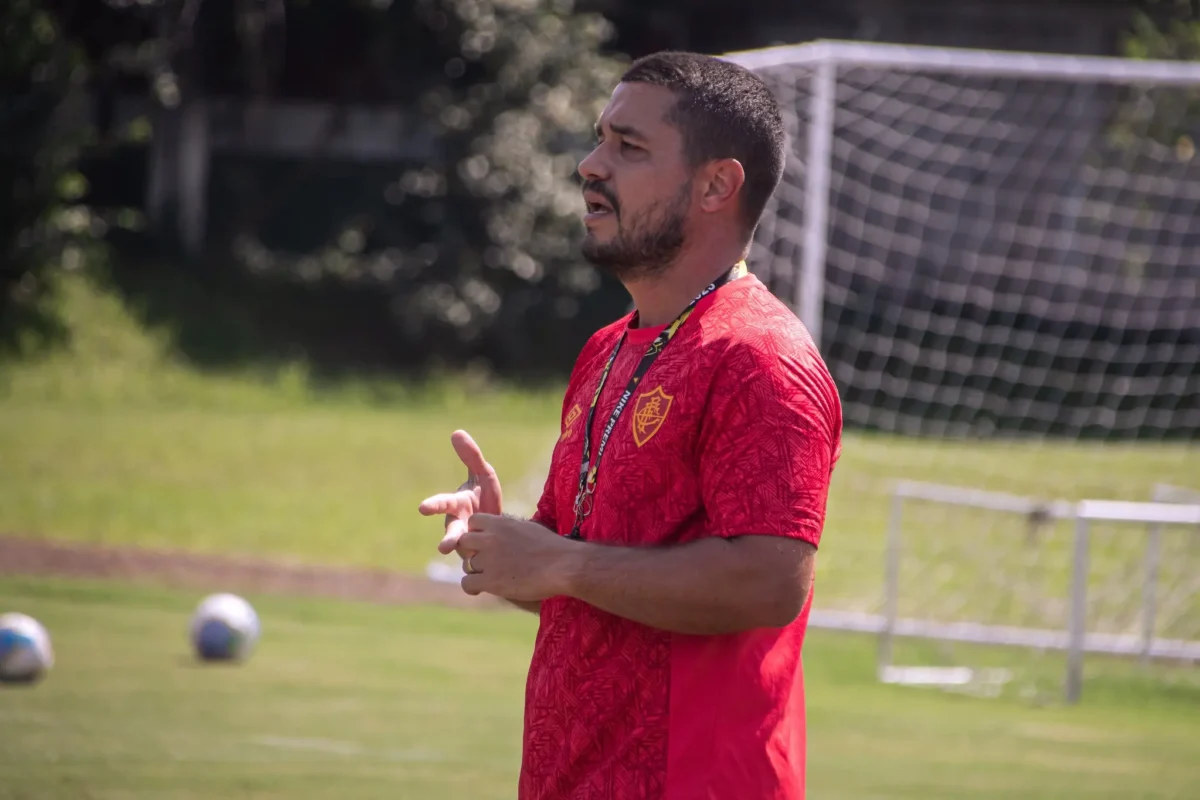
(1091, 590)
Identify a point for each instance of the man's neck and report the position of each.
(661, 299)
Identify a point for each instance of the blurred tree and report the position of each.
(476, 254)
(525, 85)
(471, 254)
(37, 221)
(1167, 30)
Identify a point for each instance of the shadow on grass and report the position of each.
(219, 315)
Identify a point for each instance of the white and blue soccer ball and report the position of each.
(25, 651)
(224, 628)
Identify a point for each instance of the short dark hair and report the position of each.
(723, 111)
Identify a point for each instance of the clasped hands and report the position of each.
(511, 558)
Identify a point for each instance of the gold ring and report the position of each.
(470, 567)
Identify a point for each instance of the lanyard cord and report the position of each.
(589, 470)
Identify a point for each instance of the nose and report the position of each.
(593, 168)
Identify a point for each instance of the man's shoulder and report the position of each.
(756, 327)
(757, 341)
(768, 374)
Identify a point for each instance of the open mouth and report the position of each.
(596, 206)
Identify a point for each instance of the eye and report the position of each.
(629, 148)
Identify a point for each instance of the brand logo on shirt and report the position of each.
(649, 413)
(569, 423)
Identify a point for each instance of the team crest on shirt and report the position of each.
(649, 413)
(569, 423)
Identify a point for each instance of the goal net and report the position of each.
(998, 255)
(989, 242)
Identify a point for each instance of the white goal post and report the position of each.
(1115, 616)
(1088, 512)
(985, 241)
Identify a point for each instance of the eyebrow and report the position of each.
(624, 130)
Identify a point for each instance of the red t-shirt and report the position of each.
(734, 430)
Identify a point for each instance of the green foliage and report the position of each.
(511, 139)
(1166, 30)
(37, 220)
(1170, 30)
(471, 254)
(476, 253)
(112, 439)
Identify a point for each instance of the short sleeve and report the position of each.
(769, 441)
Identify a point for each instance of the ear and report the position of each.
(720, 184)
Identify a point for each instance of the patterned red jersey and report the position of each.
(734, 430)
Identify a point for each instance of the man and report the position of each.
(672, 574)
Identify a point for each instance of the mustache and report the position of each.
(605, 192)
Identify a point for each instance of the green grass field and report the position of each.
(348, 700)
(115, 441)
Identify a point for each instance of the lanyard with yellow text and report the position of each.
(589, 470)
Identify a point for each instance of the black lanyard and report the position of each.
(589, 470)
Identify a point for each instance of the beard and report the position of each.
(648, 246)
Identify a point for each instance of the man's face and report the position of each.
(637, 185)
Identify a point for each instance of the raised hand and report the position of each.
(481, 493)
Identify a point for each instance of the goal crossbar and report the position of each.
(1094, 69)
(1160, 511)
(1123, 511)
(983, 498)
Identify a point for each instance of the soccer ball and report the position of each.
(25, 651)
(224, 628)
